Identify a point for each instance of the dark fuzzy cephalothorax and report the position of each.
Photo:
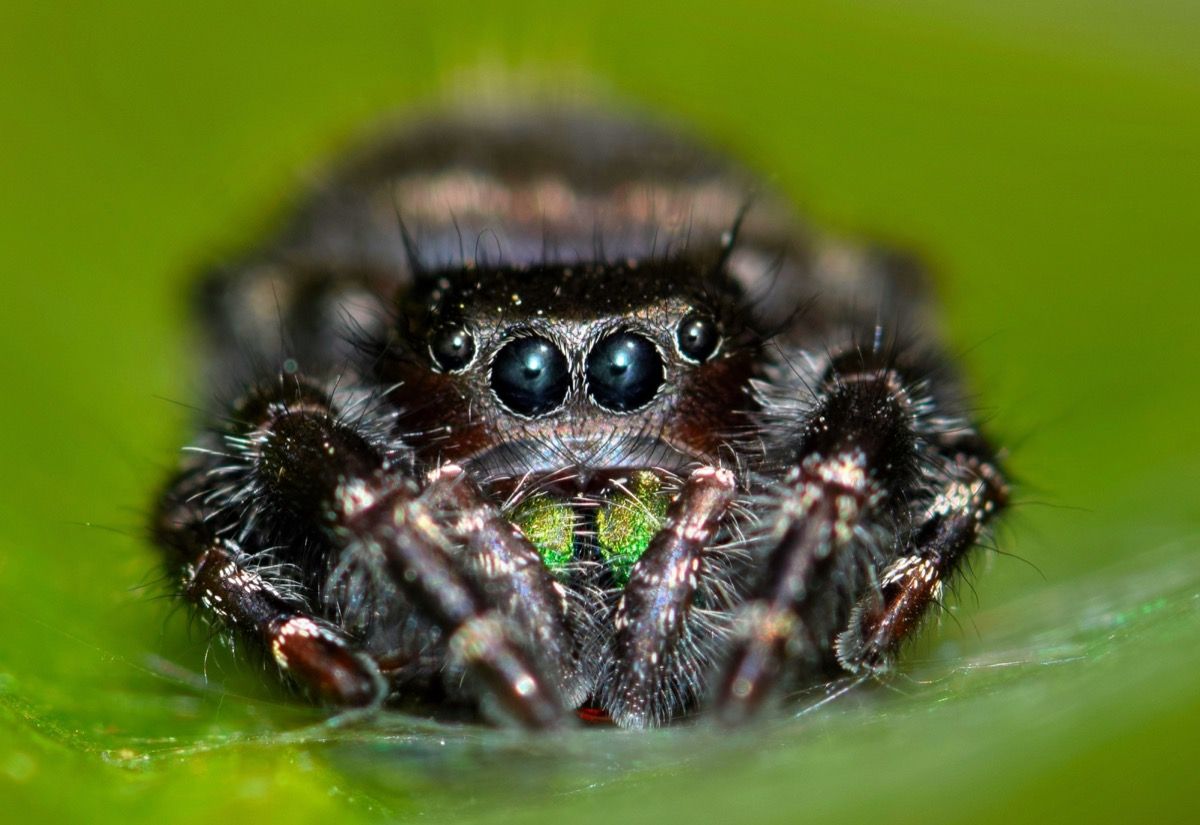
(563, 405)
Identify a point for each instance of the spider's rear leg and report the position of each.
(837, 506)
(217, 575)
(973, 493)
(315, 470)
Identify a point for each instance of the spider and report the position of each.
(534, 416)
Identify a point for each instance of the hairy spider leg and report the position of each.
(506, 566)
(973, 493)
(650, 662)
(319, 474)
(219, 576)
(855, 459)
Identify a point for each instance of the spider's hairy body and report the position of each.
(568, 406)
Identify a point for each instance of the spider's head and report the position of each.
(568, 369)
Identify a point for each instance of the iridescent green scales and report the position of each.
(549, 524)
(626, 524)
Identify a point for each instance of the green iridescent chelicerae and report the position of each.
(625, 526)
(549, 524)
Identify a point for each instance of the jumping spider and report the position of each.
(546, 415)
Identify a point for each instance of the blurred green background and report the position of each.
(1046, 157)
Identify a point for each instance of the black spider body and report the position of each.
(569, 407)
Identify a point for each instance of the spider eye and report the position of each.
(624, 371)
(451, 347)
(530, 376)
(697, 338)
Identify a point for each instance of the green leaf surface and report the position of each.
(1046, 159)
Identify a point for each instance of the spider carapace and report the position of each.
(541, 415)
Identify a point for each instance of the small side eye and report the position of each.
(697, 338)
(451, 347)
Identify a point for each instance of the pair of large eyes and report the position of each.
(531, 376)
(624, 370)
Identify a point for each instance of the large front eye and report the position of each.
(624, 372)
(530, 376)
(451, 347)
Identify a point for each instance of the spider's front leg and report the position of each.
(220, 577)
(303, 474)
(972, 492)
(508, 570)
(837, 508)
(652, 661)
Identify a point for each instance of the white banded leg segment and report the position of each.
(484, 645)
(913, 583)
(855, 453)
(316, 655)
